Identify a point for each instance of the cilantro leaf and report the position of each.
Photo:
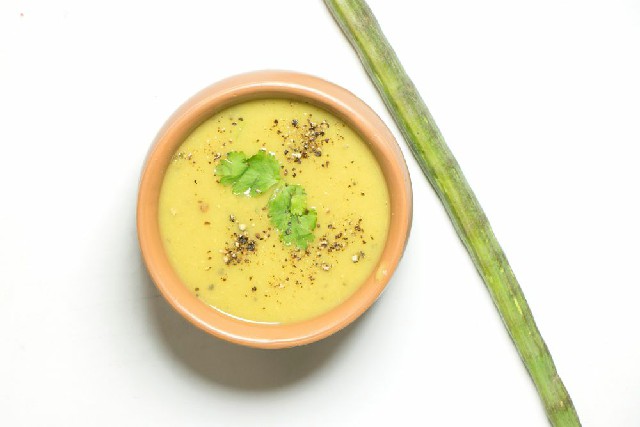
(232, 168)
(287, 207)
(251, 176)
(289, 213)
(298, 203)
(280, 206)
(302, 227)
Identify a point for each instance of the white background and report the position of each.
(539, 101)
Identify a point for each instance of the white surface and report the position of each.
(539, 102)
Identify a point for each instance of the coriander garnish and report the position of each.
(250, 176)
(289, 213)
(288, 209)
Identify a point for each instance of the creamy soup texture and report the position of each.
(225, 248)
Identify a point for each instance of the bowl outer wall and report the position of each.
(272, 84)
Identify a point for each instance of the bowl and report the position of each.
(272, 84)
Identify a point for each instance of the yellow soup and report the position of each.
(225, 247)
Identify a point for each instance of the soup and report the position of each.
(273, 211)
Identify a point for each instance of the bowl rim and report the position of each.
(272, 84)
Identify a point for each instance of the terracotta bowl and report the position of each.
(272, 84)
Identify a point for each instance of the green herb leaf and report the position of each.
(251, 176)
(280, 206)
(289, 213)
(232, 168)
(298, 203)
(287, 208)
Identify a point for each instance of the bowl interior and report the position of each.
(262, 85)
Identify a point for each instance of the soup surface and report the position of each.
(226, 248)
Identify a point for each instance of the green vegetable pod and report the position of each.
(443, 172)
